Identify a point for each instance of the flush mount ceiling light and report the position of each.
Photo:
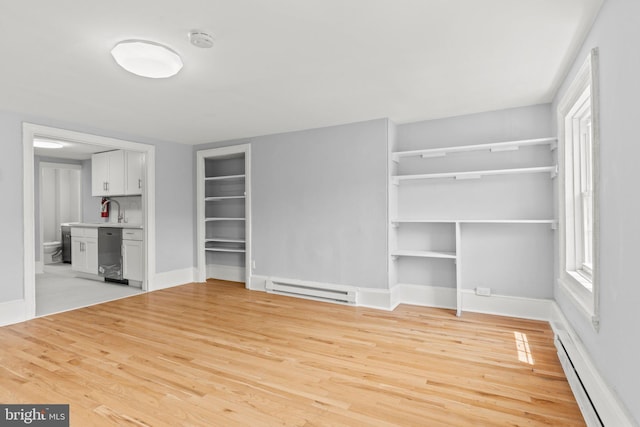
(46, 143)
(147, 59)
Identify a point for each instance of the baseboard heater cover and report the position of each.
(564, 345)
(317, 291)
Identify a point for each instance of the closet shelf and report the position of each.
(216, 199)
(424, 254)
(474, 221)
(552, 170)
(224, 177)
(225, 250)
(493, 147)
(223, 219)
(223, 240)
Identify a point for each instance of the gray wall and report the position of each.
(174, 200)
(615, 348)
(319, 204)
(495, 126)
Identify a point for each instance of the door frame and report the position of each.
(29, 132)
(40, 219)
(222, 152)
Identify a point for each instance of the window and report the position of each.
(578, 139)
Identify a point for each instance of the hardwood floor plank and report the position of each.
(218, 354)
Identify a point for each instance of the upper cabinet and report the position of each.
(134, 162)
(116, 173)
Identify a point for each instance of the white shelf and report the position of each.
(223, 240)
(493, 147)
(224, 250)
(216, 199)
(223, 219)
(424, 254)
(553, 170)
(474, 221)
(224, 177)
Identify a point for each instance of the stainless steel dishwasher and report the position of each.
(110, 254)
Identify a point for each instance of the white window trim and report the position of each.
(573, 283)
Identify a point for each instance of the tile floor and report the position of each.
(58, 289)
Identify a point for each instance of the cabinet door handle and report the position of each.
(107, 186)
(139, 183)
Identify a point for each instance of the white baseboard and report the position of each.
(429, 296)
(435, 296)
(258, 283)
(172, 278)
(609, 408)
(12, 312)
(381, 299)
(226, 272)
(502, 305)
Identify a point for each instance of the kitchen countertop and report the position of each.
(103, 224)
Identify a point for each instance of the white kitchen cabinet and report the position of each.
(132, 256)
(84, 250)
(108, 173)
(134, 167)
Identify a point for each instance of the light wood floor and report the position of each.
(219, 355)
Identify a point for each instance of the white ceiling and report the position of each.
(283, 65)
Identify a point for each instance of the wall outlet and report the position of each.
(253, 264)
(485, 292)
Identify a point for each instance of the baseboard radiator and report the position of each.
(310, 290)
(566, 348)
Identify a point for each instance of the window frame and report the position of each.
(577, 278)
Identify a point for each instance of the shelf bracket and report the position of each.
(394, 257)
(554, 172)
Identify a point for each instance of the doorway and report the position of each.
(77, 142)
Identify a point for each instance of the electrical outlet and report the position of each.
(485, 292)
(253, 264)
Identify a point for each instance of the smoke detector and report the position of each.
(201, 39)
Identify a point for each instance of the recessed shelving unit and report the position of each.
(224, 213)
(439, 208)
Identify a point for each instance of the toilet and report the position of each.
(52, 252)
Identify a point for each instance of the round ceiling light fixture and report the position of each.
(147, 59)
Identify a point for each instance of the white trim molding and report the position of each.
(201, 268)
(504, 305)
(12, 312)
(29, 131)
(588, 301)
(169, 279)
(427, 296)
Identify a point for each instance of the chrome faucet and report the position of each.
(120, 216)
